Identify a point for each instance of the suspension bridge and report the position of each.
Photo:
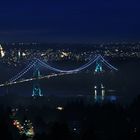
(36, 64)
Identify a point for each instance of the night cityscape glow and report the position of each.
(69, 69)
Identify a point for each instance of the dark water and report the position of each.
(125, 83)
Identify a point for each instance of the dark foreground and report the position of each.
(73, 121)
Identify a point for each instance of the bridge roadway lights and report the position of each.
(99, 60)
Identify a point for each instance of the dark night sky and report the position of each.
(69, 20)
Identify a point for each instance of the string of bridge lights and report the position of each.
(37, 62)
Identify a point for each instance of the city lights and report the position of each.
(59, 108)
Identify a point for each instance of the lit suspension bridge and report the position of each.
(37, 63)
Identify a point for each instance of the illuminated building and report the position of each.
(2, 53)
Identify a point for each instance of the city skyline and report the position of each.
(69, 69)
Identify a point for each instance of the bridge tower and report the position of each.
(99, 89)
(98, 68)
(36, 86)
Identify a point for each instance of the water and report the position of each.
(123, 84)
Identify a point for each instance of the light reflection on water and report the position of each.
(123, 85)
(101, 94)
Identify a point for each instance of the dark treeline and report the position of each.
(106, 121)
